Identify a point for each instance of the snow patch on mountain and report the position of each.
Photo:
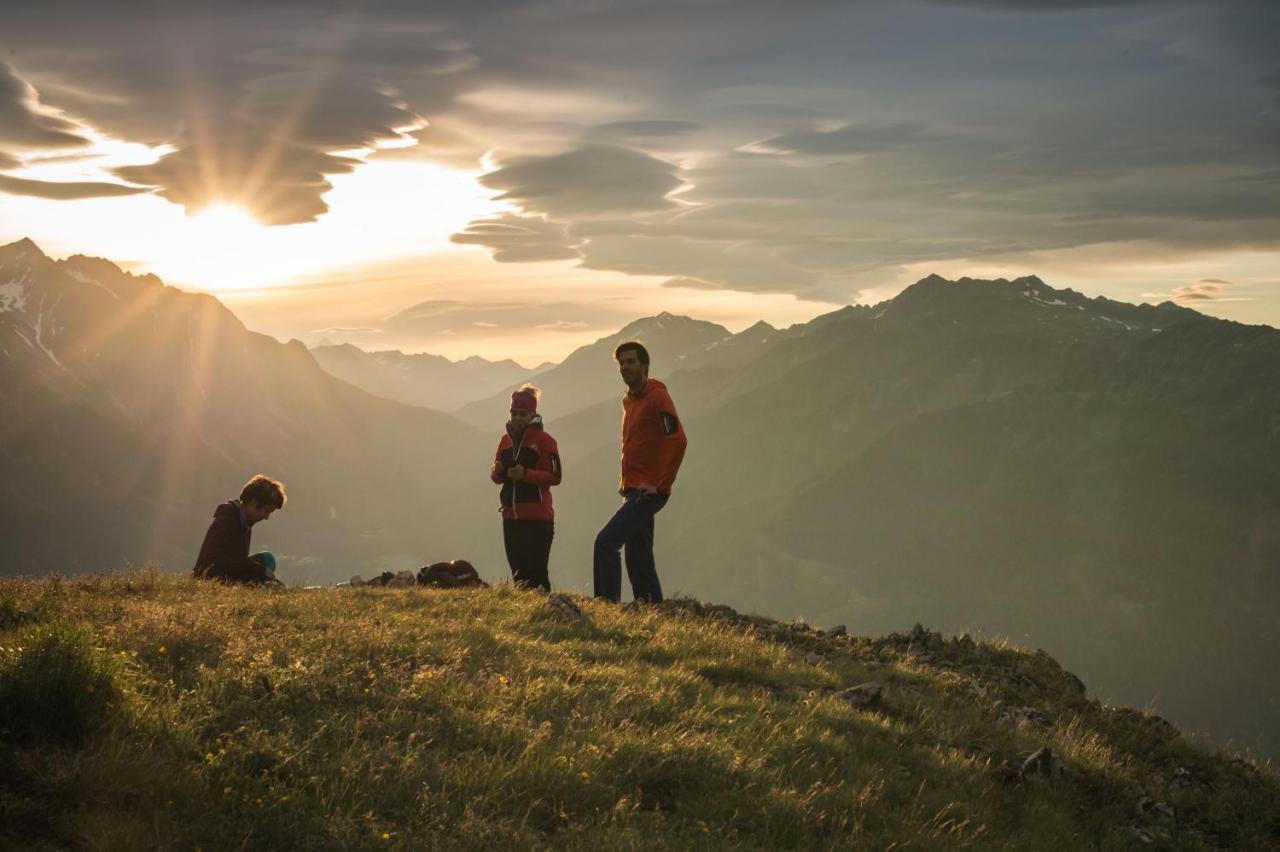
(1049, 303)
(13, 296)
(85, 279)
(1117, 322)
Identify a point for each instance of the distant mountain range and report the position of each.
(1095, 477)
(589, 374)
(431, 381)
(132, 408)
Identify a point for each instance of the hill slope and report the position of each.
(141, 711)
(1094, 477)
(132, 408)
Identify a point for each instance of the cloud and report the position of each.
(848, 139)
(66, 191)
(276, 159)
(1042, 6)
(25, 123)
(687, 283)
(730, 265)
(1197, 292)
(1200, 292)
(279, 184)
(590, 180)
(327, 112)
(992, 134)
(429, 319)
(347, 329)
(650, 129)
(520, 239)
(400, 46)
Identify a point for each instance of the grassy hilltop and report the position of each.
(144, 711)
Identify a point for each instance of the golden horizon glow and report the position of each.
(221, 247)
(385, 210)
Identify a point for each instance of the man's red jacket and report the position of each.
(530, 498)
(653, 439)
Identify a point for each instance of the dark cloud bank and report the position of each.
(812, 151)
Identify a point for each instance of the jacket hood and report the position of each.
(649, 384)
(230, 509)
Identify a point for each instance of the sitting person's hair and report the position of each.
(264, 491)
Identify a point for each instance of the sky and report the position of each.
(515, 179)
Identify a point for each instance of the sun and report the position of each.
(384, 210)
(224, 221)
(222, 247)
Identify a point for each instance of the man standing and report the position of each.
(224, 553)
(653, 444)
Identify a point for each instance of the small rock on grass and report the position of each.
(564, 608)
(1043, 763)
(864, 696)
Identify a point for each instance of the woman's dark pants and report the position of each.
(528, 545)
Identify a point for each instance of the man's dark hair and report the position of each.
(632, 346)
(264, 491)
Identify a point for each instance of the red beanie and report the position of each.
(525, 400)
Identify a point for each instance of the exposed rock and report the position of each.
(1158, 812)
(1022, 716)
(1043, 763)
(1140, 835)
(838, 630)
(564, 608)
(864, 696)
(356, 581)
(403, 580)
(1182, 779)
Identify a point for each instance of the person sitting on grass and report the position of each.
(224, 554)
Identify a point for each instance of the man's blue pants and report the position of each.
(630, 528)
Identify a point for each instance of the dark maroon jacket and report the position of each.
(224, 555)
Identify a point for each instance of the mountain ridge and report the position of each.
(124, 392)
(422, 379)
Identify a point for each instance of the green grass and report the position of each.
(143, 711)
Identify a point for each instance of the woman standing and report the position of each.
(526, 465)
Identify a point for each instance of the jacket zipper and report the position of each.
(516, 458)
